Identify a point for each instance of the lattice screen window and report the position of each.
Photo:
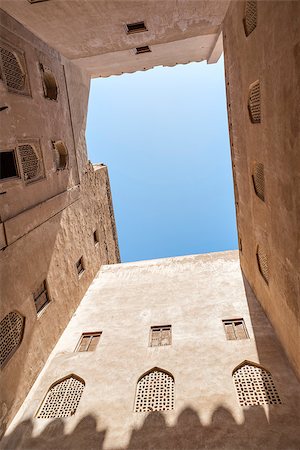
(262, 262)
(41, 297)
(11, 334)
(12, 64)
(88, 342)
(235, 329)
(31, 162)
(160, 335)
(155, 392)
(255, 386)
(62, 399)
(258, 178)
(254, 102)
(250, 18)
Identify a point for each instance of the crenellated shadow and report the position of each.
(189, 433)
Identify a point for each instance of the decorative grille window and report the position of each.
(88, 342)
(160, 335)
(254, 102)
(235, 329)
(258, 178)
(49, 83)
(62, 399)
(250, 18)
(155, 392)
(144, 49)
(262, 262)
(61, 155)
(30, 162)
(137, 27)
(8, 164)
(41, 298)
(12, 71)
(255, 386)
(11, 334)
(80, 266)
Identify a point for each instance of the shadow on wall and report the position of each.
(188, 434)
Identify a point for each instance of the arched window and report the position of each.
(262, 262)
(49, 83)
(12, 71)
(61, 155)
(155, 391)
(258, 178)
(11, 334)
(254, 385)
(250, 18)
(30, 162)
(254, 102)
(62, 399)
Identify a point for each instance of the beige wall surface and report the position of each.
(270, 54)
(193, 294)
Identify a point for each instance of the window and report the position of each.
(49, 83)
(235, 329)
(155, 391)
(88, 342)
(8, 164)
(41, 298)
(160, 335)
(62, 399)
(254, 385)
(262, 262)
(11, 334)
(258, 179)
(61, 155)
(254, 102)
(30, 162)
(80, 266)
(250, 18)
(137, 27)
(144, 49)
(12, 71)
(96, 237)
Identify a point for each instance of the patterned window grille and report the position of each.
(160, 336)
(88, 342)
(30, 162)
(262, 262)
(254, 102)
(250, 18)
(62, 399)
(41, 298)
(80, 266)
(255, 386)
(258, 178)
(155, 392)
(235, 329)
(12, 72)
(11, 334)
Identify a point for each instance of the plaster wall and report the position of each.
(193, 294)
(271, 54)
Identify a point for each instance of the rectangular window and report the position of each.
(80, 266)
(160, 335)
(8, 164)
(88, 342)
(235, 329)
(144, 49)
(137, 27)
(41, 298)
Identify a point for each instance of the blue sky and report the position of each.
(163, 135)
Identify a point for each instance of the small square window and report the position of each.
(144, 49)
(8, 164)
(88, 342)
(235, 329)
(96, 237)
(80, 266)
(41, 297)
(160, 336)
